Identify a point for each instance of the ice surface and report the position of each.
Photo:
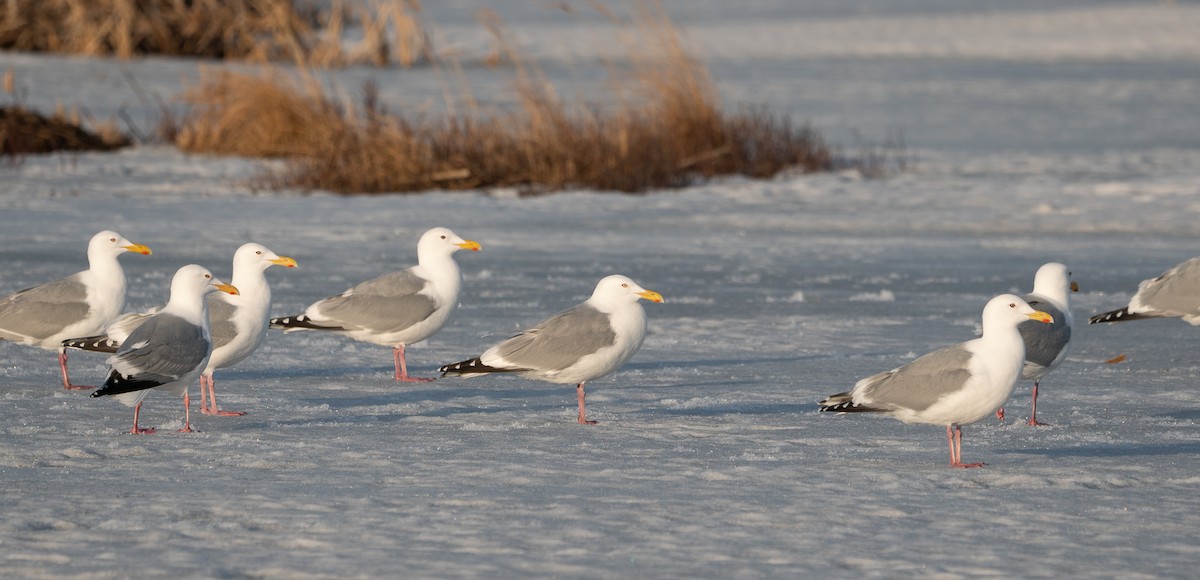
(710, 459)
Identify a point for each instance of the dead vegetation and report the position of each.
(249, 30)
(666, 129)
(663, 125)
(24, 132)
(270, 115)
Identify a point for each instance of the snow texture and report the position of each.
(1044, 131)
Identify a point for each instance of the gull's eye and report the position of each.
(624, 285)
(1011, 305)
(208, 276)
(258, 253)
(113, 240)
(443, 237)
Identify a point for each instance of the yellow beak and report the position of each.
(227, 288)
(1040, 316)
(138, 249)
(1074, 286)
(470, 245)
(284, 261)
(651, 296)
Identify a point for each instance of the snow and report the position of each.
(1066, 133)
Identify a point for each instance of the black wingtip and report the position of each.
(1119, 315)
(468, 367)
(836, 407)
(458, 367)
(836, 404)
(299, 322)
(116, 384)
(93, 343)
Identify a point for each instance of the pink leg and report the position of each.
(1000, 413)
(956, 448)
(136, 431)
(402, 367)
(212, 393)
(950, 442)
(582, 408)
(187, 413)
(62, 364)
(203, 394)
(1033, 422)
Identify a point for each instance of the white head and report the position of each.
(1054, 281)
(191, 283)
(617, 289)
(110, 243)
(441, 242)
(258, 257)
(1009, 310)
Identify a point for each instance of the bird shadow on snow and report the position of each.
(398, 394)
(718, 362)
(733, 409)
(1113, 450)
(394, 417)
(453, 400)
(458, 397)
(343, 372)
(354, 372)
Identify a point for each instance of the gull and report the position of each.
(1174, 294)
(238, 321)
(952, 386)
(169, 349)
(80, 304)
(395, 309)
(579, 344)
(1046, 345)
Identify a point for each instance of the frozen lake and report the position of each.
(710, 459)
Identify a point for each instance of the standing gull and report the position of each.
(396, 309)
(952, 386)
(576, 345)
(1046, 345)
(80, 304)
(1174, 294)
(238, 321)
(169, 350)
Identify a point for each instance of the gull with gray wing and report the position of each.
(1046, 345)
(238, 321)
(395, 309)
(952, 386)
(80, 304)
(169, 349)
(579, 344)
(1174, 294)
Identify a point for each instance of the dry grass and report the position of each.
(254, 116)
(24, 132)
(666, 130)
(253, 30)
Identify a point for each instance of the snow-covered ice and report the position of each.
(1062, 131)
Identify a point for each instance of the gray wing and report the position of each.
(1175, 293)
(162, 350)
(220, 320)
(388, 303)
(124, 325)
(43, 310)
(1044, 342)
(920, 383)
(559, 341)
